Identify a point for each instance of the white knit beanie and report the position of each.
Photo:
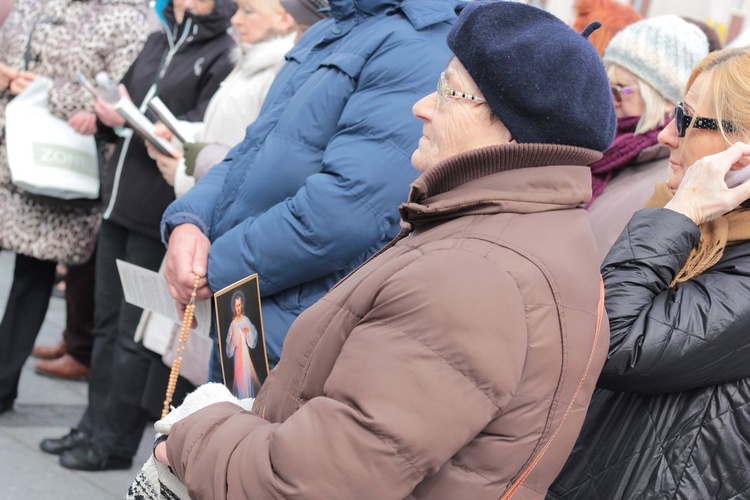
(662, 51)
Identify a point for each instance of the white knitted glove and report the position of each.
(155, 481)
(203, 396)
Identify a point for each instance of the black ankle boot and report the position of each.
(89, 458)
(69, 441)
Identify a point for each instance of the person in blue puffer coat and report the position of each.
(313, 189)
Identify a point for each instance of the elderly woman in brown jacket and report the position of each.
(459, 361)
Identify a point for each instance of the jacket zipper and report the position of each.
(149, 95)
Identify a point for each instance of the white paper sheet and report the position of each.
(148, 289)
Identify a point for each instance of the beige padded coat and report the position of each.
(440, 367)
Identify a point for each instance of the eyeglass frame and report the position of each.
(444, 91)
(620, 90)
(683, 121)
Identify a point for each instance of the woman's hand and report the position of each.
(703, 194)
(162, 131)
(7, 75)
(166, 164)
(84, 123)
(107, 113)
(21, 81)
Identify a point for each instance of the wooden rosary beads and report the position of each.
(187, 322)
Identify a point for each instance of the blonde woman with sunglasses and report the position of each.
(671, 418)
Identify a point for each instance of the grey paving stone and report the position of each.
(51, 480)
(31, 474)
(39, 389)
(26, 415)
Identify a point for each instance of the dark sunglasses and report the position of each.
(682, 120)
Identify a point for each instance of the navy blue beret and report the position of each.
(543, 80)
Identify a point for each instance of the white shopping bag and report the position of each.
(45, 155)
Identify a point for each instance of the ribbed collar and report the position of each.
(511, 177)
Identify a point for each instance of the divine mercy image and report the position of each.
(241, 337)
(240, 330)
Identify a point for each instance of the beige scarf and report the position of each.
(716, 234)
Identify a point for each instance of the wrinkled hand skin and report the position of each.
(187, 257)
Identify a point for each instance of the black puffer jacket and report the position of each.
(183, 65)
(679, 425)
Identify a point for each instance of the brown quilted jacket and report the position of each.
(441, 366)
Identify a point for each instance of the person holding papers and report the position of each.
(184, 65)
(265, 32)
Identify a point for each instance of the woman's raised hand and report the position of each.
(703, 194)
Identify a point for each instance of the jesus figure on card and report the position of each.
(242, 337)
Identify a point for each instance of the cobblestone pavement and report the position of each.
(48, 407)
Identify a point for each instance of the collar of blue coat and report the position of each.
(421, 13)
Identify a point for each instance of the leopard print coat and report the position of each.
(56, 38)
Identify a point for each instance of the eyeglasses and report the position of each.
(443, 92)
(682, 121)
(619, 91)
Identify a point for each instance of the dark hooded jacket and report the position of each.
(183, 65)
(672, 417)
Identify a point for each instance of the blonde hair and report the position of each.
(727, 80)
(654, 104)
(269, 6)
